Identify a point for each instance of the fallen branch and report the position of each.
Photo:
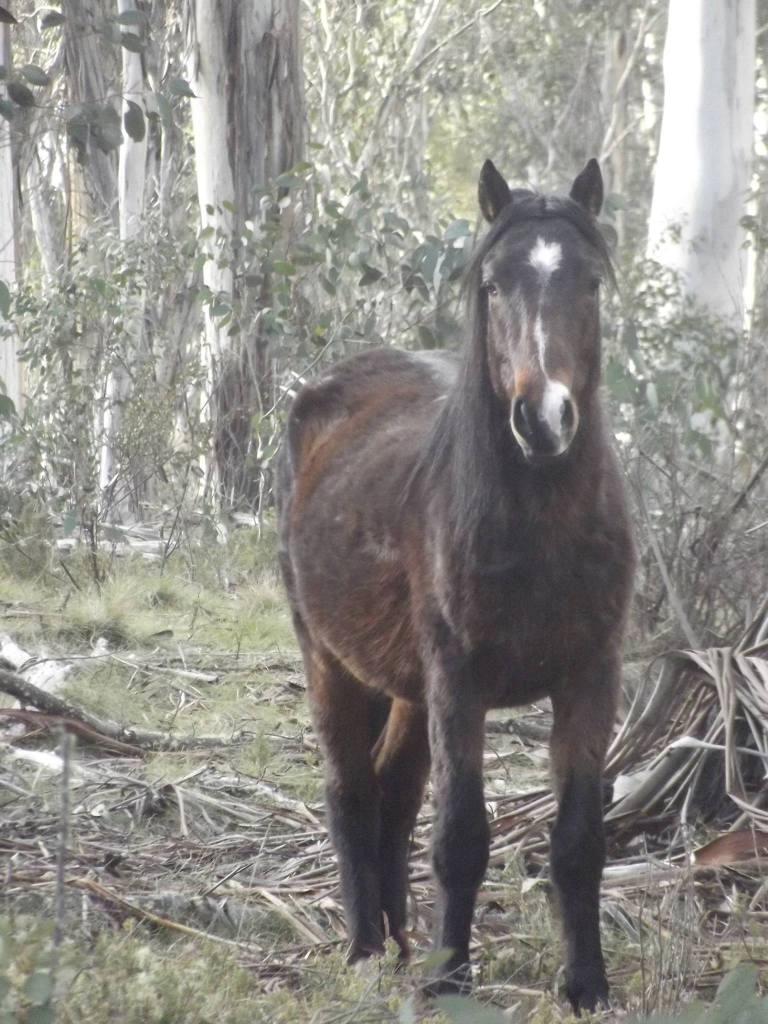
(144, 739)
(107, 896)
(42, 720)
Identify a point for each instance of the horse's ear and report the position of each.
(492, 191)
(587, 189)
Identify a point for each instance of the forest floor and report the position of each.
(196, 883)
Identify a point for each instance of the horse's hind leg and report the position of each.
(342, 714)
(583, 717)
(401, 761)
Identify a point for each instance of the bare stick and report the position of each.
(61, 853)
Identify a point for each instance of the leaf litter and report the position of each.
(177, 830)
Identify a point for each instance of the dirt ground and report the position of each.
(176, 868)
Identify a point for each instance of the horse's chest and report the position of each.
(542, 617)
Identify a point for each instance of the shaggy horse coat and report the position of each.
(453, 539)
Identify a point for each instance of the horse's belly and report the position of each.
(359, 609)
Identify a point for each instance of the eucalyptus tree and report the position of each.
(10, 367)
(244, 71)
(703, 171)
(131, 182)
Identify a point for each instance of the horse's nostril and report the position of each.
(568, 416)
(521, 417)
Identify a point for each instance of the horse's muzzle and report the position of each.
(544, 429)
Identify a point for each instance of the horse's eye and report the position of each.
(594, 285)
(490, 288)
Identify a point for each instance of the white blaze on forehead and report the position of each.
(545, 257)
(552, 405)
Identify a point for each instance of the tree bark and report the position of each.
(10, 366)
(244, 68)
(703, 168)
(94, 174)
(132, 166)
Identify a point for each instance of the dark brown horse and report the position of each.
(453, 539)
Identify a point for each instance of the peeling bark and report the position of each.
(244, 67)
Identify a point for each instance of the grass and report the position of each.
(229, 840)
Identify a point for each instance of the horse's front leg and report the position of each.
(584, 711)
(461, 833)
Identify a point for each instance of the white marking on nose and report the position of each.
(540, 337)
(545, 257)
(553, 404)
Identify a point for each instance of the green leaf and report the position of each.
(370, 276)
(5, 300)
(7, 408)
(131, 42)
(458, 229)
(7, 110)
(283, 267)
(463, 1010)
(106, 128)
(39, 987)
(35, 74)
(180, 87)
(288, 180)
(735, 1002)
(165, 111)
(51, 18)
(69, 523)
(7, 17)
(20, 94)
(41, 1015)
(133, 121)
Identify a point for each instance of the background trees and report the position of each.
(203, 204)
(220, 198)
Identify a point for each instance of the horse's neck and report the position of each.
(515, 498)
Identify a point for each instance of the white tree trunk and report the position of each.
(703, 168)
(207, 71)
(131, 179)
(10, 367)
(247, 119)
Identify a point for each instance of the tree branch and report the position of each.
(82, 722)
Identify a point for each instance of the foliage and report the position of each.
(736, 1002)
(30, 981)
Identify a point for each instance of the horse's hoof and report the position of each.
(587, 993)
(360, 954)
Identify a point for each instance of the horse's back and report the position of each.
(373, 385)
